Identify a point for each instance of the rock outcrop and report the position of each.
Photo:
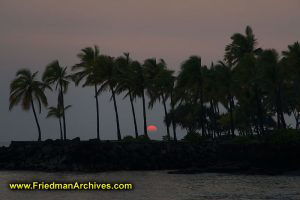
(90, 156)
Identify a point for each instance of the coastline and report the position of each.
(177, 158)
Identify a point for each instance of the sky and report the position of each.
(33, 33)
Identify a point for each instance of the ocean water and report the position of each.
(158, 185)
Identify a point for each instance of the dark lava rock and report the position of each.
(185, 158)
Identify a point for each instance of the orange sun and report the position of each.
(152, 128)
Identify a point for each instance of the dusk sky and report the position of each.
(33, 33)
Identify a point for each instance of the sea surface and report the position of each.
(157, 185)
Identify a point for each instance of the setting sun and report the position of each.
(152, 128)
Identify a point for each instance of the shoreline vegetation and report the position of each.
(234, 111)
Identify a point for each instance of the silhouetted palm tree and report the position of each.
(126, 83)
(107, 76)
(227, 83)
(57, 112)
(26, 89)
(159, 83)
(187, 115)
(190, 81)
(55, 74)
(274, 78)
(292, 61)
(250, 78)
(242, 52)
(173, 102)
(86, 69)
(213, 94)
(240, 46)
(138, 89)
(132, 77)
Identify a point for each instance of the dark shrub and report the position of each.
(284, 137)
(143, 138)
(245, 140)
(128, 138)
(194, 137)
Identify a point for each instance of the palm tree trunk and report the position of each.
(296, 116)
(217, 109)
(144, 115)
(212, 108)
(231, 104)
(37, 121)
(166, 113)
(259, 112)
(173, 121)
(202, 111)
(133, 113)
(281, 109)
(60, 128)
(117, 115)
(63, 112)
(280, 117)
(97, 110)
(174, 131)
(283, 120)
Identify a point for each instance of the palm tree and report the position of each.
(132, 78)
(190, 83)
(250, 78)
(165, 82)
(170, 117)
(57, 112)
(187, 115)
(86, 69)
(213, 91)
(274, 82)
(160, 82)
(26, 89)
(107, 77)
(138, 89)
(240, 46)
(293, 54)
(242, 52)
(292, 60)
(225, 77)
(173, 102)
(126, 83)
(55, 74)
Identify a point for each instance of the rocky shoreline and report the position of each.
(179, 158)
